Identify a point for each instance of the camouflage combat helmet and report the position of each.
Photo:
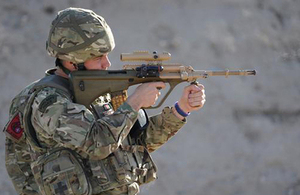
(77, 35)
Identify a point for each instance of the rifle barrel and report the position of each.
(230, 72)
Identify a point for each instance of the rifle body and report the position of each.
(90, 84)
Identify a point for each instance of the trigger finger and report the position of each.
(160, 85)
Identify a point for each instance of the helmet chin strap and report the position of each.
(79, 66)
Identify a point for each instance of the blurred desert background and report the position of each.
(245, 140)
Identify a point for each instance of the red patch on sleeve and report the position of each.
(14, 128)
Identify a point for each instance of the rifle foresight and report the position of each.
(145, 56)
(251, 72)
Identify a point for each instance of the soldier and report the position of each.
(55, 146)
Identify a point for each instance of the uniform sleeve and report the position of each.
(161, 128)
(59, 122)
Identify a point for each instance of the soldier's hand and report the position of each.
(193, 98)
(145, 95)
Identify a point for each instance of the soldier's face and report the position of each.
(99, 63)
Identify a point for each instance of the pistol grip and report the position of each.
(172, 86)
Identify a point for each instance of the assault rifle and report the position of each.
(90, 84)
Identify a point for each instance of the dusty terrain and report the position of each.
(246, 139)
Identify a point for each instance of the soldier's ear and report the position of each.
(67, 63)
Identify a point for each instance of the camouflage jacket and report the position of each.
(111, 157)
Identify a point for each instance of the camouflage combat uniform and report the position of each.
(114, 162)
(55, 146)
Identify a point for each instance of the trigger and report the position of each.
(194, 83)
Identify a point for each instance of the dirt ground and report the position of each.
(246, 139)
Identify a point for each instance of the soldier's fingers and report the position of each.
(191, 88)
(197, 99)
(195, 88)
(197, 103)
(198, 86)
(197, 94)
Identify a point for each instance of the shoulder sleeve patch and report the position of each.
(47, 102)
(14, 129)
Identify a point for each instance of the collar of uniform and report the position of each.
(50, 71)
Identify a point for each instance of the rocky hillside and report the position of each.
(246, 139)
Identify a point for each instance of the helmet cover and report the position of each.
(78, 35)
